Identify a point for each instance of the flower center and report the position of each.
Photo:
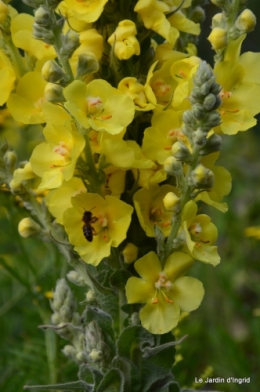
(95, 105)
(64, 155)
(225, 94)
(160, 88)
(162, 285)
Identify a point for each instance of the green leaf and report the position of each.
(113, 381)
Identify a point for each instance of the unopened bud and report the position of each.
(198, 111)
(130, 253)
(90, 296)
(69, 351)
(211, 102)
(200, 137)
(3, 12)
(181, 152)
(213, 119)
(202, 177)
(54, 93)
(213, 144)
(96, 355)
(27, 227)
(42, 17)
(87, 64)
(217, 20)
(172, 166)
(75, 278)
(246, 21)
(43, 34)
(218, 38)
(53, 73)
(198, 15)
(10, 160)
(171, 202)
(34, 3)
(70, 42)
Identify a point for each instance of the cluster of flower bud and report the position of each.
(52, 4)
(64, 310)
(203, 115)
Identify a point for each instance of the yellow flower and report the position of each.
(150, 208)
(25, 104)
(160, 137)
(239, 78)
(111, 219)
(87, 10)
(59, 200)
(164, 291)
(20, 175)
(142, 95)
(22, 35)
(55, 160)
(222, 184)
(99, 106)
(123, 40)
(198, 234)
(218, 38)
(7, 78)
(3, 11)
(152, 13)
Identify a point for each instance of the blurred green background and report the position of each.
(223, 333)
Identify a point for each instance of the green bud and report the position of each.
(213, 119)
(69, 351)
(53, 73)
(87, 64)
(198, 15)
(96, 355)
(198, 111)
(75, 278)
(210, 102)
(54, 93)
(202, 178)
(52, 4)
(173, 167)
(217, 20)
(42, 17)
(189, 118)
(196, 95)
(200, 137)
(203, 74)
(10, 160)
(213, 144)
(70, 42)
(181, 152)
(43, 34)
(90, 296)
(3, 146)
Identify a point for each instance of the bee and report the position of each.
(88, 230)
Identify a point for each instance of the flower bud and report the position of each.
(202, 177)
(213, 144)
(28, 227)
(75, 278)
(181, 152)
(172, 166)
(42, 17)
(90, 296)
(130, 253)
(171, 202)
(10, 160)
(198, 111)
(246, 21)
(210, 102)
(3, 12)
(69, 351)
(96, 355)
(87, 64)
(218, 38)
(34, 3)
(43, 34)
(200, 137)
(213, 119)
(53, 73)
(198, 15)
(217, 20)
(93, 335)
(70, 42)
(189, 118)
(54, 93)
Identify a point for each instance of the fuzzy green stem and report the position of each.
(233, 14)
(15, 56)
(94, 178)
